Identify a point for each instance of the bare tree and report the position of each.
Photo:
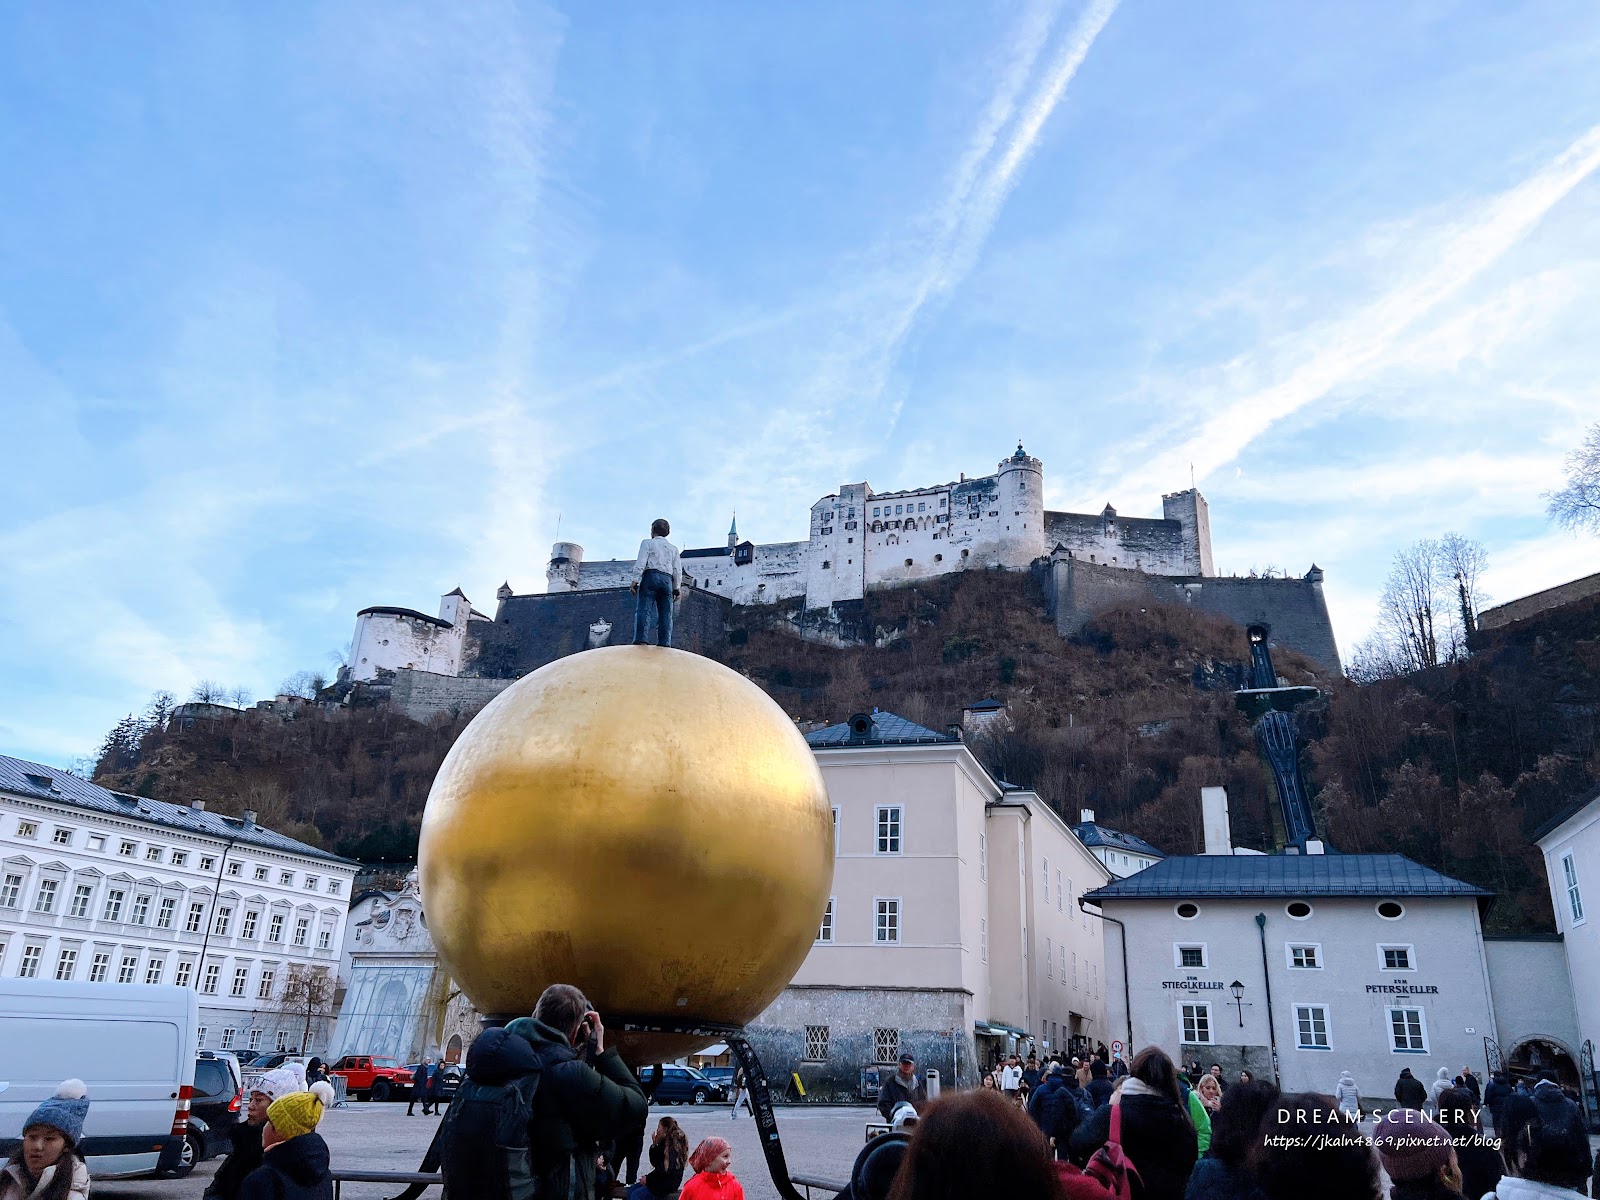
(1408, 611)
(307, 995)
(208, 691)
(305, 684)
(1577, 504)
(1430, 603)
(240, 696)
(1465, 561)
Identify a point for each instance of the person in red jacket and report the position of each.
(713, 1179)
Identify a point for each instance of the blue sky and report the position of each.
(310, 307)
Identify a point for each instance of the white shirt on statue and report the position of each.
(658, 554)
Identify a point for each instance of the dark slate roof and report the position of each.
(1091, 834)
(390, 611)
(708, 552)
(1249, 875)
(887, 730)
(985, 706)
(1565, 815)
(80, 793)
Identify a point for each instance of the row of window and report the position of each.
(885, 925)
(921, 506)
(1408, 1027)
(1300, 956)
(885, 1044)
(107, 966)
(229, 1039)
(1298, 910)
(145, 908)
(65, 835)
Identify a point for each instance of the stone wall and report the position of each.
(423, 695)
(396, 639)
(1294, 609)
(530, 631)
(936, 1027)
(1538, 602)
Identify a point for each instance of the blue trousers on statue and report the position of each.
(655, 591)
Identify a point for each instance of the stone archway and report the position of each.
(452, 1052)
(1535, 1054)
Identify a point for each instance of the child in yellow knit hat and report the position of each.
(294, 1163)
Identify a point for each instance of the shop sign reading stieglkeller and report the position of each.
(1191, 984)
(1401, 988)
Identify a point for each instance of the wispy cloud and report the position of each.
(865, 342)
(1333, 355)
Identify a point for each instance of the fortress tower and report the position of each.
(1021, 523)
(566, 563)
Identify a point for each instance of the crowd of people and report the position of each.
(546, 1112)
(1076, 1130)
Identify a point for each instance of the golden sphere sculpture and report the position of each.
(640, 822)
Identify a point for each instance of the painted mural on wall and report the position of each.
(400, 1002)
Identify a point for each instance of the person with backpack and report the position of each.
(1054, 1110)
(1149, 1123)
(1550, 1153)
(541, 1098)
(1100, 1085)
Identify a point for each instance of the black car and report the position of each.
(218, 1104)
(450, 1081)
(685, 1085)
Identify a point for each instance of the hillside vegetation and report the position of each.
(1453, 767)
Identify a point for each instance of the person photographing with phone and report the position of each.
(579, 1097)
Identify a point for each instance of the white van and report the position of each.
(133, 1044)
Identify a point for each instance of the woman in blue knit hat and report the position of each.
(47, 1166)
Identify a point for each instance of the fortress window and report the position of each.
(964, 553)
(876, 513)
(826, 564)
(938, 558)
(899, 508)
(922, 508)
(908, 562)
(941, 501)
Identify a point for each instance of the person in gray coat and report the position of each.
(1347, 1095)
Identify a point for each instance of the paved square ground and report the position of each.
(818, 1140)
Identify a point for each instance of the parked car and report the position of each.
(722, 1076)
(218, 1105)
(685, 1085)
(132, 1043)
(262, 1063)
(373, 1077)
(454, 1073)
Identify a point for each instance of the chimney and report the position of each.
(249, 818)
(1214, 816)
(198, 805)
(1314, 846)
(1086, 816)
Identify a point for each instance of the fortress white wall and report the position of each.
(392, 642)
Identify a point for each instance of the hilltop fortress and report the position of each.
(859, 541)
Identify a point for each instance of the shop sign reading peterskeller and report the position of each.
(1401, 988)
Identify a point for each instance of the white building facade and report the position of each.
(1298, 967)
(104, 887)
(393, 639)
(952, 931)
(1122, 854)
(1571, 848)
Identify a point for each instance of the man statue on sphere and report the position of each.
(657, 579)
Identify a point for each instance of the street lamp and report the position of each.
(1237, 989)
